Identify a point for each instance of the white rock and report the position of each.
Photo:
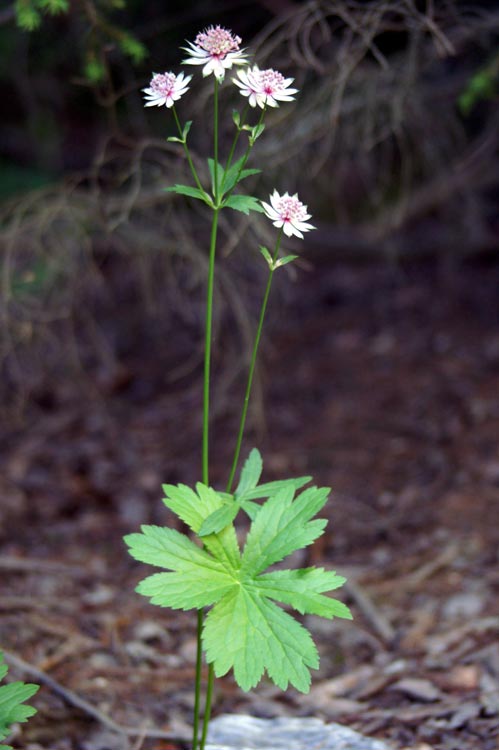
(239, 732)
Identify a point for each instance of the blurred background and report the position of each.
(379, 365)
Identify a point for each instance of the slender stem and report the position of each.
(207, 346)
(207, 713)
(246, 155)
(187, 152)
(206, 430)
(236, 138)
(197, 687)
(251, 372)
(215, 142)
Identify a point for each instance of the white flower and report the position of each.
(165, 89)
(217, 49)
(288, 212)
(265, 87)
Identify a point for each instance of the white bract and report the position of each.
(217, 49)
(165, 89)
(289, 213)
(265, 87)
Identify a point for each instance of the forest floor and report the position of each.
(380, 381)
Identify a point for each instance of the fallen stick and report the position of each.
(73, 699)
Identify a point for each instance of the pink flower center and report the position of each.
(217, 41)
(271, 81)
(163, 83)
(291, 209)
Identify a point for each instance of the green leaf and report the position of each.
(255, 132)
(284, 261)
(251, 473)
(245, 630)
(236, 174)
(192, 192)
(283, 526)
(194, 508)
(272, 488)
(236, 117)
(220, 174)
(267, 256)
(250, 634)
(12, 697)
(219, 519)
(303, 589)
(244, 203)
(185, 131)
(175, 139)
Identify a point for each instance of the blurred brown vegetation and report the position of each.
(392, 143)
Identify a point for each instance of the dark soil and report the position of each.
(380, 381)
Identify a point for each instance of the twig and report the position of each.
(75, 700)
(379, 622)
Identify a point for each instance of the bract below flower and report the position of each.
(165, 89)
(217, 49)
(264, 87)
(289, 213)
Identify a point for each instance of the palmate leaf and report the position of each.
(12, 698)
(245, 630)
(243, 203)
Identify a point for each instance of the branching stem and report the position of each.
(251, 372)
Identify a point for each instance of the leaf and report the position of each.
(245, 630)
(250, 634)
(267, 256)
(220, 174)
(236, 117)
(284, 261)
(255, 132)
(219, 519)
(185, 131)
(251, 472)
(271, 488)
(12, 697)
(194, 508)
(236, 174)
(192, 192)
(244, 203)
(283, 526)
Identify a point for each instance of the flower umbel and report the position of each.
(289, 213)
(264, 87)
(165, 89)
(217, 49)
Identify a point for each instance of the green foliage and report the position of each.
(243, 203)
(245, 630)
(29, 12)
(483, 85)
(102, 33)
(191, 192)
(12, 698)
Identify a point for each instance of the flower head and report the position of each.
(265, 87)
(217, 49)
(165, 89)
(288, 212)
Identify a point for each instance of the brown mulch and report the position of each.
(380, 381)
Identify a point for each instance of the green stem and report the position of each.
(236, 138)
(197, 687)
(187, 152)
(251, 372)
(246, 155)
(206, 430)
(207, 713)
(215, 142)
(207, 346)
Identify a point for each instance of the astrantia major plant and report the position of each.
(233, 586)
